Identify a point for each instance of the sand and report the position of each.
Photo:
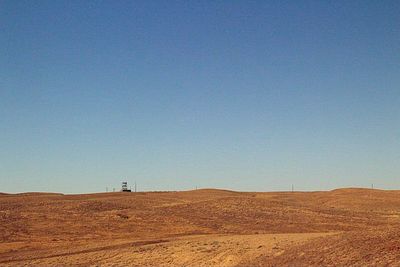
(207, 227)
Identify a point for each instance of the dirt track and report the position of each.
(202, 228)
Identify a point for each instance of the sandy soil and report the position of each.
(355, 227)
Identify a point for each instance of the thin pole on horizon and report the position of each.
(135, 187)
(372, 186)
(292, 188)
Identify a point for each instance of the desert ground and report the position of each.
(206, 227)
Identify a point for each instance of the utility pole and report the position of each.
(107, 189)
(372, 186)
(135, 187)
(292, 188)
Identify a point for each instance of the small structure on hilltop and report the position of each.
(125, 187)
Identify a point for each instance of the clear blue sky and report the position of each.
(245, 95)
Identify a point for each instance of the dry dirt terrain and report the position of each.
(344, 227)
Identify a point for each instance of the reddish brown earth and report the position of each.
(355, 227)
